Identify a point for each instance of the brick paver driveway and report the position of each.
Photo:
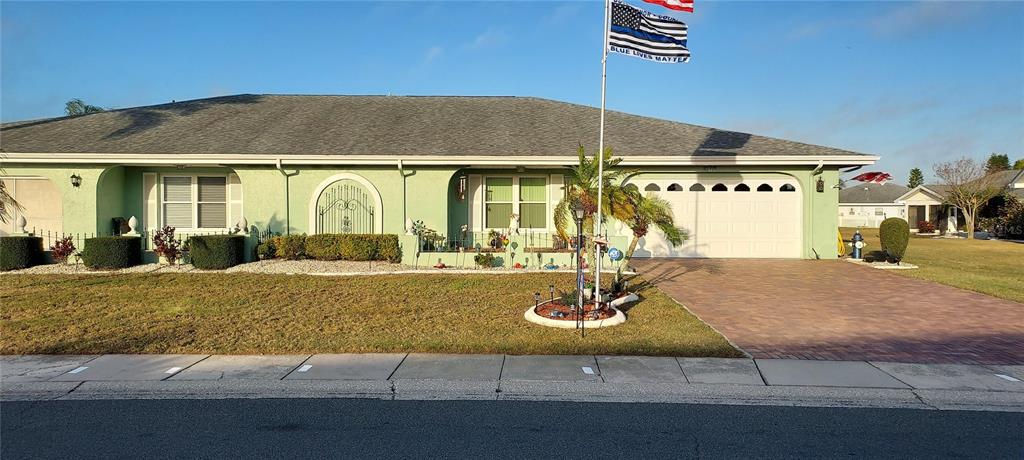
(809, 309)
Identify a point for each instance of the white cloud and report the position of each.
(432, 54)
(562, 13)
(489, 37)
(921, 15)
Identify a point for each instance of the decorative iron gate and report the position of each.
(344, 207)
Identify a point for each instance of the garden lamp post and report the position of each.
(579, 213)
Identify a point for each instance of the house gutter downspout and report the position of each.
(815, 172)
(405, 204)
(287, 208)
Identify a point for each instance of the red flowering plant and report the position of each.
(166, 245)
(62, 249)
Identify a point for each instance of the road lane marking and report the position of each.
(588, 370)
(305, 367)
(172, 370)
(78, 369)
(1007, 377)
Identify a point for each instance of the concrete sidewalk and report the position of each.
(563, 378)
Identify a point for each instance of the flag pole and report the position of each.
(599, 226)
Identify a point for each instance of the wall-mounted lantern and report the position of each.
(76, 180)
(820, 185)
(462, 187)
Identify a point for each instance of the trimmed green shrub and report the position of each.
(325, 246)
(356, 247)
(112, 252)
(388, 248)
(359, 247)
(291, 247)
(266, 250)
(18, 252)
(894, 234)
(216, 252)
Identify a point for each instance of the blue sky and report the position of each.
(915, 82)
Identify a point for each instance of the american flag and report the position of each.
(648, 36)
(681, 5)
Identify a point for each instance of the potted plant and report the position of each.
(166, 246)
(588, 290)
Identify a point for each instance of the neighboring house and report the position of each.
(374, 164)
(868, 204)
(928, 202)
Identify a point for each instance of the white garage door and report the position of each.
(733, 217)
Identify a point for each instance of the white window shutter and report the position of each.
(476, 202)
(150, 203)
(234, 199)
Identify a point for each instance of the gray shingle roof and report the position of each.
(380, 125)
(872, 193)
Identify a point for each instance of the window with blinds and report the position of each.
(178, 202)
(213, 202)
(195, 202)
(498, 201)
(533, 204)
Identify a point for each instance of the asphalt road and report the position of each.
(300, 428)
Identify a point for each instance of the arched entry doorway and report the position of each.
(345, 203)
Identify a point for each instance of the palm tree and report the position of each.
(581, 188)
(7, 203)
(648, 210)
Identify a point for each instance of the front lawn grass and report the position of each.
(277, 314)
(990, 267)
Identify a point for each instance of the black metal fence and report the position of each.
(145, 236)
(494, 241)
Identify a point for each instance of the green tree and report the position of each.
(997, 162)
(7, 203)
(651, 210)
(77, 107)
(1019, 164)
(581, 189)
(916, 178)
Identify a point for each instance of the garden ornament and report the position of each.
(21, 224)
(615, 254)
(513, 224)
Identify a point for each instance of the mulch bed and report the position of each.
(569, 311)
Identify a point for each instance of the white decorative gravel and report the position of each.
(275, 266)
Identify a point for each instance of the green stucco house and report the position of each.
(374, 164)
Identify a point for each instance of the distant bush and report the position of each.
(388, 248)
(112, 252)
(325, 246)
(1012, 220)
(484, 260)
(62, 249)
(334, 246)
(17, 252)
(266, 250)
(291, 247)
(216, 252)
(925, 226)
(894, 234)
